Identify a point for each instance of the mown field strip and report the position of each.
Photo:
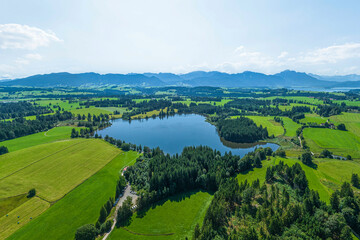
(13, 161)
(58, 173)
(61, 150)
(78, 207)
(21, 216)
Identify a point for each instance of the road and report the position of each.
(127, 193)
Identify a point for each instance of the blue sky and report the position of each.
(321, 36)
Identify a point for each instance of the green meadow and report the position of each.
(78, 207)
(268, 122)
(91, 110)
(21, 216)
(177, 215)
(313, 118)
(10, 203)
(53, 170)
(52, 135)
(290, 127)
(351, 121)
(339, 142)
(61, 103)
(289, 107)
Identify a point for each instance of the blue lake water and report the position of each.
(174, 133)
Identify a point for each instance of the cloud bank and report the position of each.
(17, 36)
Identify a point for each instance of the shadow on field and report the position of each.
(176, 198)
(313, 165)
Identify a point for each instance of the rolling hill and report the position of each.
(247, 79)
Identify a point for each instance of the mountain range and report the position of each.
(247, 79)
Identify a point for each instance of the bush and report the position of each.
(125, 147)
(341, 127)
(86, 232)
(280, 153)
(3, 150)
(106, 226)
(31, 193)
(326, 154)
(306, 158)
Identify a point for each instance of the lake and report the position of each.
(173, 133)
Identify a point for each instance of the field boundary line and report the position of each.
(148, 234)
(39, 160)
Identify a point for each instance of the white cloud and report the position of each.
(283, 54)
(244, 59)
(330, 57)
(17, 36)
(332, 54)
(33, 56)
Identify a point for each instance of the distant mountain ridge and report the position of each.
(247, 79)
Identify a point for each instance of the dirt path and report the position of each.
(300, 142)
(127, 193)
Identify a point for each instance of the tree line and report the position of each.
(21, 109)
(21, 127)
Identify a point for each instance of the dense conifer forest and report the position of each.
(241, 130)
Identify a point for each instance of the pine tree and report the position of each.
(355, 180)
(335, 201)
(103, 215)
(269, 174)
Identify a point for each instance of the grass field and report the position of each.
(178, 215)
(313, 118)
(80, 206)
(290, 127)
(289, 107)
(10, 203)
(53, 169)
(339, 142)
(63, 104)
(91, 110)
(348, 102)
(351, 121)
(268, 122)
(30, 209)
(54, 134)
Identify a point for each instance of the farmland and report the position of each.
(21, 215)
(54, 134)
(75, 176)
(81, 205)
(73, 162)
(340, 142)
(313, 118)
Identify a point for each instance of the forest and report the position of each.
(241, 130)
(157, 175)
(281, 208)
